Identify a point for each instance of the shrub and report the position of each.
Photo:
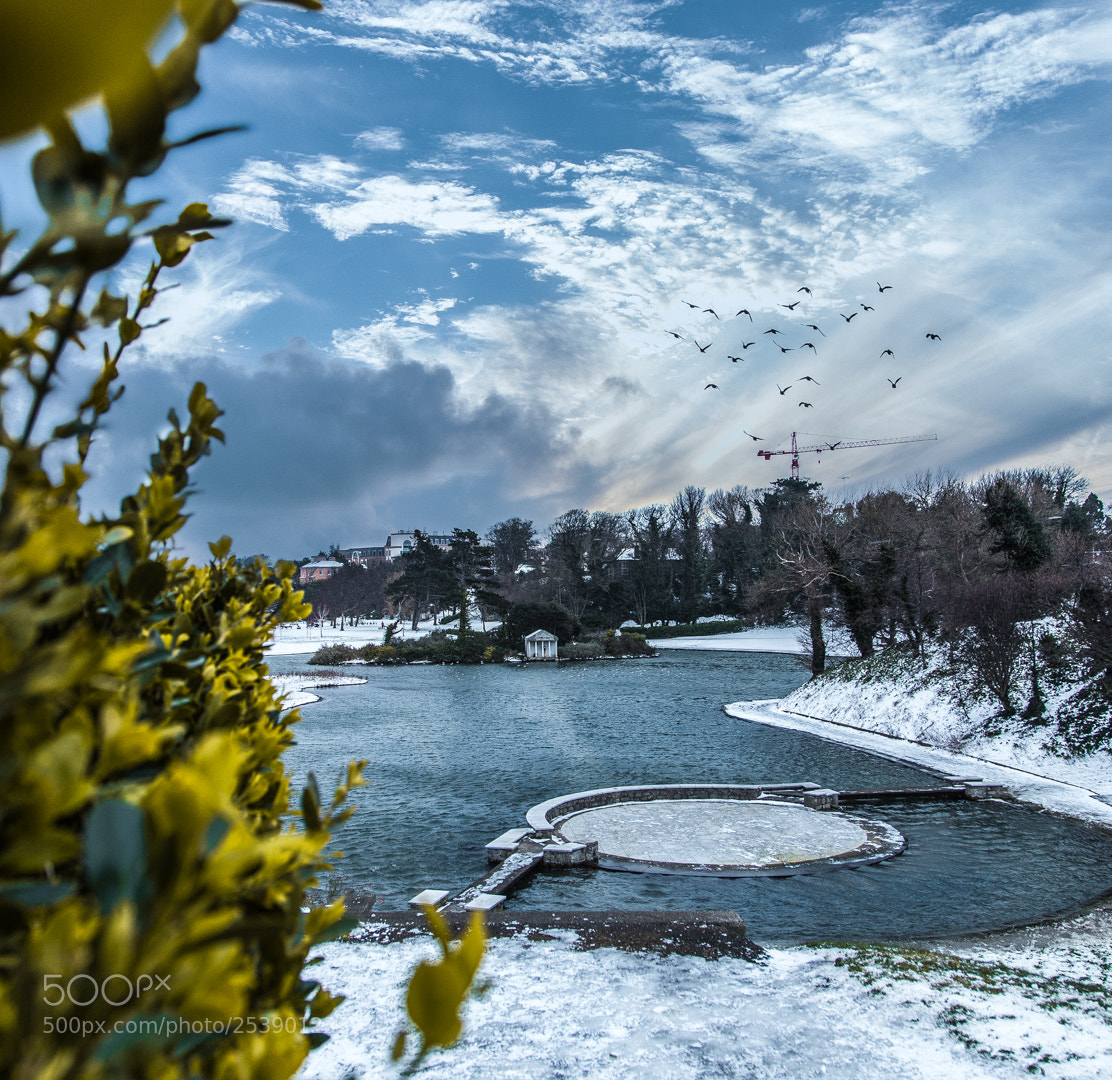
(146, 840)
(582, 650)
(627, 644)
(334, 654)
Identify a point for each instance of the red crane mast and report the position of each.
(841, 444)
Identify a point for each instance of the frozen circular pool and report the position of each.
(728, 837)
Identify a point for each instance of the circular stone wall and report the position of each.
(728, 837)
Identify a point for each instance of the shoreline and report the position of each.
(594, 1000)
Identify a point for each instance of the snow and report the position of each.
(720, 832)
(911, 701)
(553, 1011)
(778, 639)
(1025, 1002)
(295, 688)
(300, 637)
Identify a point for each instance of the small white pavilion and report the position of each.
(540, 645)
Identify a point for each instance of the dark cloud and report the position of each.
(321, 451)
(620, 386)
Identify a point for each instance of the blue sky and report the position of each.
(465, 228)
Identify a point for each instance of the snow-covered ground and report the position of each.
(780, 639)
(295, 688)
(1016, 1008)
(911, 700)
(299, 637)
(1016, 1004)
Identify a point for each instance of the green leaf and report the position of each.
(115, 557)
(129, 331)
(37, 893)
(108, 308)
(217, 830)
(145, 581)
(336, 930)
(56, 54)
(221, 547)
(310, 805)
(433, 999)
(115, 854)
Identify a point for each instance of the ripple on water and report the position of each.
(458, 754)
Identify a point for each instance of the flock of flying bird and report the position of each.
(774, 334)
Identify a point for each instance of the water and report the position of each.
(458, 754)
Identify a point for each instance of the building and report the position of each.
(397, 544)
(540, 645)
(318, 570)
(364, 556)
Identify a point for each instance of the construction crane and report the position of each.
(841, 444)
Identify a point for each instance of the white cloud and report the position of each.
(810, 173)
(381, 138)
(436, 208)
(901, 84)
(221, 285)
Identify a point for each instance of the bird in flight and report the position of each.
(850, 318)
(711, 310)
(674, 334)
(746, 344)
(934, 337)
(808, 345)
(791, 307)
(703, 348)
(735, 359)
(772, 331)
(744, 311)
(888, 352)
(755, 438)
(805, 405)
(807, 378)
(882, 288)
(833, 445)
(812, 326)
(803, 288)
(711, 386)
(690, 304)
(785, 390)
(865, 307)
(894, 383)
(783, 348)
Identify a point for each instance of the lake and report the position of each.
(458, 754)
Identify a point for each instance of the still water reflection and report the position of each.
(458, 754)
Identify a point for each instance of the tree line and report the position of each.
(938, 554)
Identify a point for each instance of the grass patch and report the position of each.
(971, 994)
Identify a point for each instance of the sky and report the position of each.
(475, 243)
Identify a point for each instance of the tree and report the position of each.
(804, 572)
(651, 572)
(145, 807)
(733, 542)
(691, 576)
(426, 577)
(512, 544)
(1016, 532)
(526, 616)
(469, 564)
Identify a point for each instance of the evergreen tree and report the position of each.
(1017, 533)
(512, 544)
(469, 564)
